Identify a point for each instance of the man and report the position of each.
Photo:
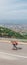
(14, 45)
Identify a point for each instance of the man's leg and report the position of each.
(15, 46)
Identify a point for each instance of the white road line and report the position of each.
(6, 56)
(11, 56)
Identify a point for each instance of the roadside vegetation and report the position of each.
(5, 32)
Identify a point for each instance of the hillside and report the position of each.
(5, 32)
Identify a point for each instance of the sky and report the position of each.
(13, 11)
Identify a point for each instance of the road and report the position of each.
(13, 57)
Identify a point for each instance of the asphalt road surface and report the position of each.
(13, 57)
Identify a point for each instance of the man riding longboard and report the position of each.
(14, 43)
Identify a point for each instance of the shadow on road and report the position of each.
(19, 48)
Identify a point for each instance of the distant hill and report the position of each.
(16, 27)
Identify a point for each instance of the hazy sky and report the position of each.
(13, 10)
